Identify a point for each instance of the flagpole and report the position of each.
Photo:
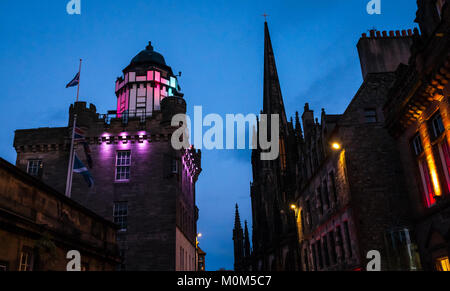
(71, 156)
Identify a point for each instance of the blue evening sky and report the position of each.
(217, 44)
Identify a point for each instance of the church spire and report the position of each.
(238, 241)
(246, 241)
(273, 100)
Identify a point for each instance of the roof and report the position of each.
(44, 187)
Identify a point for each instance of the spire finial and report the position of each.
(265, 16)
(149, 46)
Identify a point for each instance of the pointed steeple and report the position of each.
(238, 239)
(237, 219)
(273, 100)
(246, 241)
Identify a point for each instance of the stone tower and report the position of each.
(141, 183)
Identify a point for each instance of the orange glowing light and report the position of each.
(336, 146)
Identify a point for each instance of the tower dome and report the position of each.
(148, 56)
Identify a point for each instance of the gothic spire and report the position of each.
(246, 241)
(237, 219)
(273, 100)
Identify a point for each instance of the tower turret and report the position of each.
(146, 81)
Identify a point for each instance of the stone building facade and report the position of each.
(417, 115)
(340, 181)
(141, 182)
(39, 226)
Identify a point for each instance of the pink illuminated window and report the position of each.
(150, 75)
(444, 152)
(426, 183)
(157, 76)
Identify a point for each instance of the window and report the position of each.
(3, 266)
(25, 260)
(319, 253)
(305, 258)
(34, 167)
(417, 144)
(347, 238)
(444, 152)
(332, 247)
(174, 166)
(426, 183)
(436, 125)
(325, 251)
(340, 242)
(439, 7)
(443, 264)
(120, 215)
(370, 115)
(333, 186)
(319, 200)
(123, 164)
(325, 193)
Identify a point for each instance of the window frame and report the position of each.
(118, 213)
(122, 166)
(36, 168)
(28, 264)
(437, 117)
(370, 118)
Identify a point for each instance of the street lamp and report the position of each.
(336, 146)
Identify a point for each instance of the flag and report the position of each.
(75, 81)
(87, 152)
(80, 168)
(79, 134)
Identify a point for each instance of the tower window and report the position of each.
(370, 115)
(123, 165)
(120, 214)
(417, 145)
(436, 125)
(34, 167)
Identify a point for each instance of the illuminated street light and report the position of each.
(293, 207)
(336, 146)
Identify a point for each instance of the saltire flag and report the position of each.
(79, 134)
(75, 81)
(80, 168)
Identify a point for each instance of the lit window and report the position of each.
(121, 215)
(34, 167)
(436, 125)
(3, 266)
(370, 115)
(443, 264)
(426, 183)
(417, 145)
(25, 261)
(444, 152)
(123, 164)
